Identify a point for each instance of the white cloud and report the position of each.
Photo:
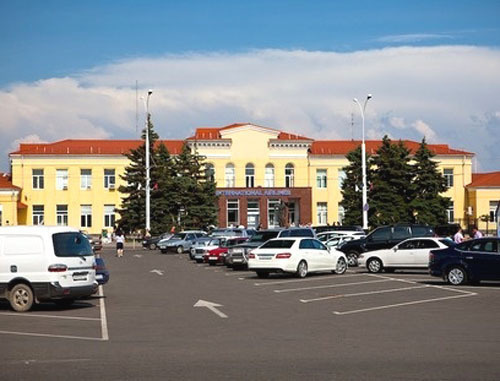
(452, 89)
(414, 37)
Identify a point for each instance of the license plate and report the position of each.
(80, 276)
(237, 260)
(99, 276)
(212, 258)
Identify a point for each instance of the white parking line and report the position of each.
(49, 316)
(329, 277)
(49, 335)
(402, 304)
(329, 286)
(104, 320)
(361, 293)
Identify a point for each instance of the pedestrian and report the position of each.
(476, 233)
(120, 241)
(259, 227)
(458, 237)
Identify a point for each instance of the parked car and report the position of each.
(383, 237)
(237, 255)
(468, 262)
(45, 263)
(298, 256)
(151, 243)
(180, 242)
(197, 244)
(326, 228)
(409, 254)
(297, 232)
(218, 255)
(229, 233)
(101, 272)
(200, 251)
(325, 236)
(339, 240)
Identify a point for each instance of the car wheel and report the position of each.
(456, 276)
(180, 250)
(352, 259)
(152, 246)
(375, 265)
(21, 297)
(301, 269)
(262, 274)
(341, 267)
(64, 302)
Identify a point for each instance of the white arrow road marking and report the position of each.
(159, 272)
(211, 306)
(138, 255)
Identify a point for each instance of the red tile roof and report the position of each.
(6, 182)
(90, 147)
(491, 179)
(213, 133)
(342, 147)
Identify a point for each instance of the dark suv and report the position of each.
(383, 237)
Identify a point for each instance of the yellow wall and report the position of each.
(8, 203)
(480, 201)
(74, 197)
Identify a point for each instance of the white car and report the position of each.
(411, 253)
(298, 256)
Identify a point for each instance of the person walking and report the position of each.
(120, 241)
(458, 237)
(476, 233)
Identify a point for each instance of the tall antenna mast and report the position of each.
(352, 126)
(136, 107)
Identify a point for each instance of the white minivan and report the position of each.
(45, 263)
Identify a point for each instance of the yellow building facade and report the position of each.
(75, 182)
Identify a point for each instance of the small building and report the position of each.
(10, 206)
(483, 195)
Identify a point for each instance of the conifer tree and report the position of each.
(389, 197)
(426, 203)
(352, 187)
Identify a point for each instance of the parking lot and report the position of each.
(165, 317)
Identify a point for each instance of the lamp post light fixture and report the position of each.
(365, 205)
(148, 179)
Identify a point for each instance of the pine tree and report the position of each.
(426, 203)
(389, 197)
(352, 187)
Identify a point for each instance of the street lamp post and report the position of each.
(148, 179)
(365, 206)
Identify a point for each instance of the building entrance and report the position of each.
(253, 214)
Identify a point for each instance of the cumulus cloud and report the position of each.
(444, 93)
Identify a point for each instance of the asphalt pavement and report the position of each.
(162, 316)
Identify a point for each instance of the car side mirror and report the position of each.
(395, 249)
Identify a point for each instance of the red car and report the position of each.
(218, 255)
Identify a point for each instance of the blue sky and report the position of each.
(69, 68)
(41, 39)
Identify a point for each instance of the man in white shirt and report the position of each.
(458, 237)
(476, 233)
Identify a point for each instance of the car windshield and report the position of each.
(278, 244)
(232, 242)
(71, 244)
(297, 233)
(178, 236)
(216, 242)
(263, 236)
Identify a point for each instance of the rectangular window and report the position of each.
(341, 176)
(322, 213)
(233, 212)
(450, 214)
(448, 175)
(38, 214)
(321, 178)
(109, 178)
(273, 207)
(493, 208)
(62, 215)
(85, 178)
(61, 179)
(86, 216)
(37, 175)
(109, 216)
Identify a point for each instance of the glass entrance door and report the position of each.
(253, 214)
